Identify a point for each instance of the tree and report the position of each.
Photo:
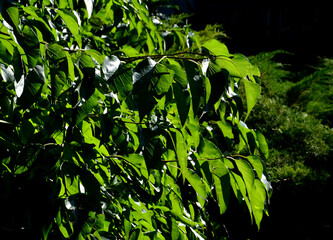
(116, 125)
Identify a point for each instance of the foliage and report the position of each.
(300, 145)
(313, 93)
(115, 125)
(212, 31)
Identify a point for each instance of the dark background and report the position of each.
(303, 27)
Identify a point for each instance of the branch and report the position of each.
(173, 56)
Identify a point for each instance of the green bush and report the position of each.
(300, 145)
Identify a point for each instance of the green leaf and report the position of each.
(86, 107)
(96, 55)
(226, 129)
(162, 79)
(55, 52)
(245, 67)
(182, 101)
(143, 71)
(258, 197)
(179, 73)
(216, 48)
(252, 92)
(13, 13)
(263, 146)
(122, 79)
(33, 85)
(180, 148)
(58, 82)
(72, 24)
(194, 139)
(170, 155)
(87, 66)
(110, 66)
(139, 162)
(196, 84)
(247, 173)
(198, 185)
(222, 189)
(209, 150)
(256, 164)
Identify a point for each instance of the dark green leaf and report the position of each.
(143, 71)
(33, 84)
(123, 81)
(182, 101)
(222, 189)
(196, 84)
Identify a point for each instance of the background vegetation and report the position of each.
(294, 112)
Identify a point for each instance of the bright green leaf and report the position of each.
(216, 48)
(72, 24)
(247, 173)
(180, 148)
(198, 185)
(252, 92)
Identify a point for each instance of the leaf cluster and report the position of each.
(129, 127)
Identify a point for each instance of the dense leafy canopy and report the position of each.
(116, 125)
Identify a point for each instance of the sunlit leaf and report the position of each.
(72, 24)
(252, 92)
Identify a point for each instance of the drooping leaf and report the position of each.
(222, 190)
(263, 146)
(13, 13)
(252, 92)
(87, 66)
(247, 173)
(258, 198)
(257, 165)
(198, 185)
(72, 24)
(196, 84)
(180, 148)
(7, 73)
(182, 101)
